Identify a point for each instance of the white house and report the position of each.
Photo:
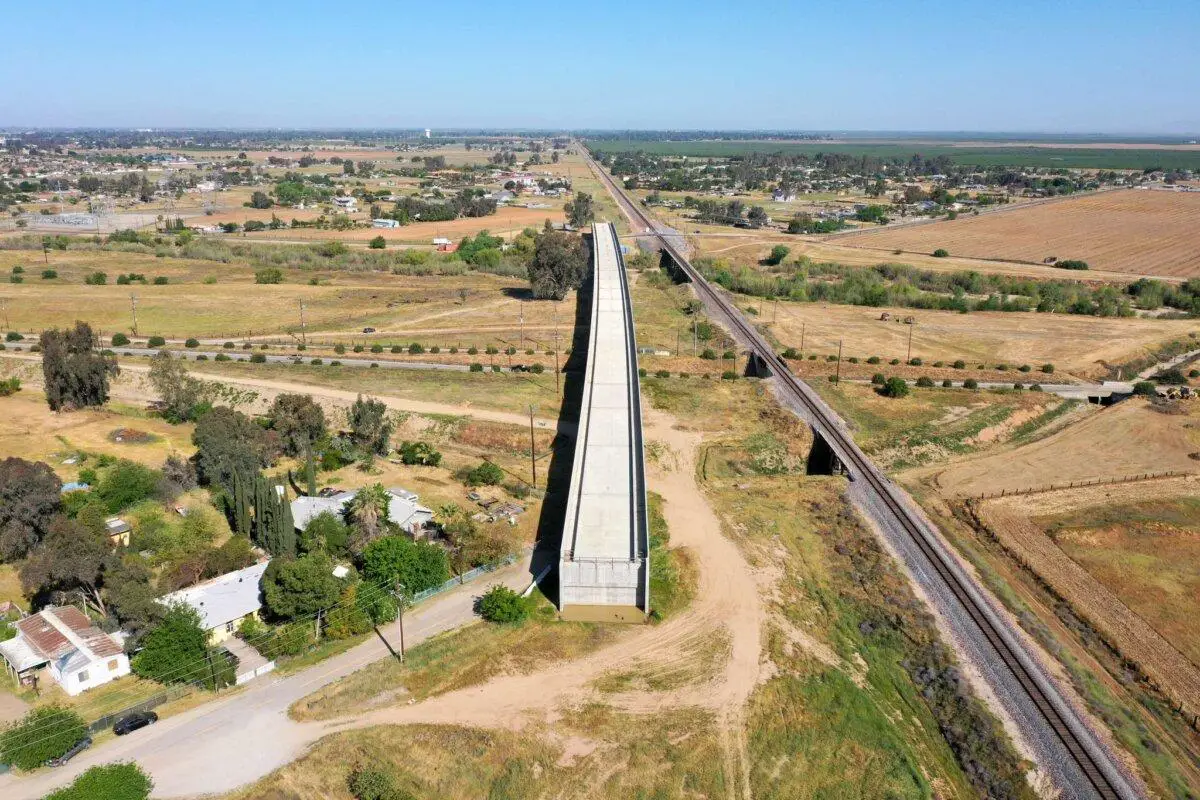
(224, 601)
(403, 509)
(347, 205)
(77, 654)
(385, 223)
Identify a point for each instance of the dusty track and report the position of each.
(727, 603)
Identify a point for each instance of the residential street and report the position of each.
(233, 741)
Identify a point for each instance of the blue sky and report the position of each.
(1051, 66)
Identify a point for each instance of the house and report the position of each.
(403, 509)
(118, 531)
(225, 601)
(502, 196)
(346, 205)
(783, 196)
(64, 642)
(385, 223)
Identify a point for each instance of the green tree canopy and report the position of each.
(108, 781)
(398, 559)
(29, 499)
(176, 649)
(42, 734)
(76, 374)
(581, 211)
(228, 442)
(558, 265)
(298, 420)
(300, 587)
(370, 426)
(70, 558)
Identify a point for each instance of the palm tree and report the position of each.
(367, 511)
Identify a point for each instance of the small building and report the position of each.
(403, 509)
(225, 601)
(64, 643)
(783, 196)
(385, 223)
(118, 531)
(74, 486)
(346, 205)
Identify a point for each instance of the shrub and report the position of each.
(729, 375)
(13, 336)
(1144, 389)
(191, 343)
(358, 348)
(269, 275)
(373, 784)
(946, 384)
(477, 367)
(1019, 386)
(378, 243)
(258, 358)
(729, 355)
(221, 357)
(472, 350)
(853, 359)
(247, 346)
(486, 474)
(662, 373)
(708, 354)
(959, 364)
(49, 274)
(894, 361)
(376, 348)
(119, 340)
(201, 357)
(791, 353)
(454, 350)
(16, 278)
(96, 279)
(156, 341)
(335, 363)
(228, 345)
(1071, 263)
(490, 350)
(316, 362)
(894, 387)
(915, 362)
(435, 349)
(161, 280)
(812, 356)
(970, 383)
(339, 349)
(941, 252)
(537, 369)
(529, 352)
(120, 781)
(874, 360)
(1194, 373)
(1048, 369)
(1002, 367)
(415, 349)
(1037, 387)
(831, 358)
(925, 382)
(42, 734)
(420, 454)
(939, 364)
(502, 605)
(878, 378)
(1025, 368)
(641, 372)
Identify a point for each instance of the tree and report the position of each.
(757, 216)
(486, 474)
(179, 473)
(581, 211)
(396, 560)
(71, 558)
(76, 374)
(894, 387)
(325, 533)
(132, 596)
(30, 496)
(228, 441)
(269, 275)
(419, 454)
(298, 420)
(501, 604)
(557, 266)
(260, 200)
(1145, 389)
(370, 426)
(111, 781)
(367, 512)
(378, 243)
(176, 651)
(42, 734)
(301, 587)
(126, 483)
(778, 253)
(274, 530)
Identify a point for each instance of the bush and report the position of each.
(358, 348)
(729, 375)
(42, 734)
(1194, 373)
(1037, 387)
(502, 605)
(477, 367)
(258, 358)
(941, 252)
(49, 274)
(831, 358)
(202, 357)
(642, 372)
(415, 349)
(491, 351)
(435, 349)
(221, 357)
(878, 378)
(156, 341)
(1025, 368)
(339, 349)
(472, 350)
(708, 354)
(191, 343)
(946, 384)
(1144, 389)
(1048, 369)
(420, 454)
(853, 359)
(161, 280)
(915, 362)
(119, 340)
(959, 364)
(925, 382)
(378, 243)
(335, 363)
(373, 784)
(1002, 367)
(894, 361)
(13, 336)
(247, 346)
(894, 387)
(126, 483)
(970, 383)
(316, 362)
(96, 279)
(16, 278)
(1071, 263)
(486, 474)
(376, 348)
(1019, 386)
(874, 360)
(791, 353)
(729, 355)
(812, 356)
(537, 369)
(119, 781)
(269, 275)
(228, 345)
(662, 373)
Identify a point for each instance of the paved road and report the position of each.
(233, 741)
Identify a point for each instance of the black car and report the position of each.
(131, 722)
(76, 749)
(368, 330)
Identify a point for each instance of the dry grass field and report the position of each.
(1130, 231)
(1130, 438)
(1075, 344)
(1125, 558)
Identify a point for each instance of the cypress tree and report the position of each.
(310, 470)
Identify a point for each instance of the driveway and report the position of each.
(235, 740)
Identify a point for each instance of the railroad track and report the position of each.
(1076, 741)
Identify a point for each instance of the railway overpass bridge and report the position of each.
(604, 560)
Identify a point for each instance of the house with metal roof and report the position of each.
(64, 642)
(225, 601)
(403, 509)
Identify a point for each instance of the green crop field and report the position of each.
(1014, 156)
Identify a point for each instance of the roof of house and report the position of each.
(225, 598)
(117, 525)
(402, 507)
(64, 635)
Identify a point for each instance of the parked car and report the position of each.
(76, 749)
(368, 330)
(132, 722)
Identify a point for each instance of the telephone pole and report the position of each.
(908, 357)
(532, 451)
(802, 327)
(557, 373)
(133, 303)
(838, 377)
(401, 601)
(303, 333)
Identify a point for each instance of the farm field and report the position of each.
(1077, 345)
(1129, 231)
(1130, 438)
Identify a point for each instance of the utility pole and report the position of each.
(401, 601)
(557, 373)
(908, 357)
(803, 325)
(693, 336)
(775, 313)
(838, 377)
(133, 303)
(532, 451)
(4, 306)
(303, 333)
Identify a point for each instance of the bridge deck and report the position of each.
(604, 549)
